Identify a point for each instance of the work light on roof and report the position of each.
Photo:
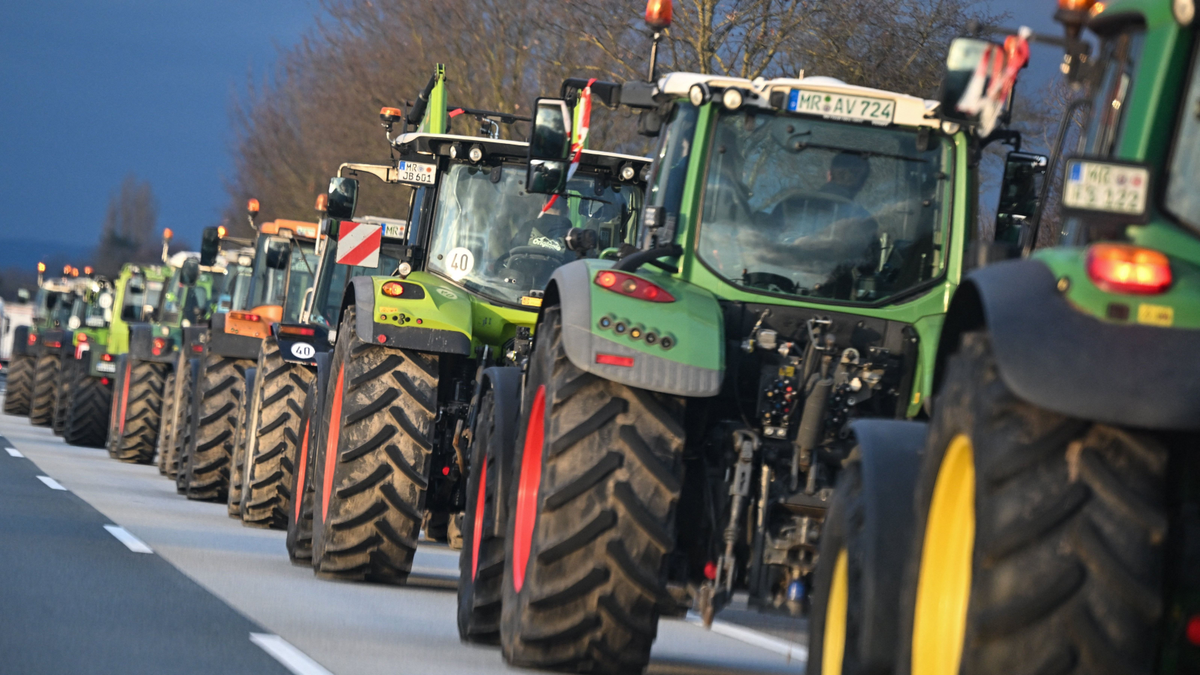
(698, 94)
(732, 98)
(475, 154)
(628, 172)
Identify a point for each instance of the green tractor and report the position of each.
(1047, 519)
(90, 326)
(415, 348)
(687, 409)
(37, 349)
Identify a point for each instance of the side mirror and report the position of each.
(1020, 192)
(210, 246)
(279, 255)
(343, 197)
(549, 147)
(546, 177)
(965, 57)
(189, 274)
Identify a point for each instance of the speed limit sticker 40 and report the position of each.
(303, 350)
(459, 263)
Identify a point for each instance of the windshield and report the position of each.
(65, 308)
(139, 294)
(235, 290)
(815, 208)
(1119, 56)
(281, 278)
(334, 277)
(1182, 198)
(181, 303)
(488, 237)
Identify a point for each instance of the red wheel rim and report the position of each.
(124, 399)
(331, 444)
(477, 536)
(299, 495)
(527, 490)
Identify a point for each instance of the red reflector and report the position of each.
(32, 339)
(445, 471)
(1120, 268)
(245, 316)
(56, 345)
(297, 330)
(710, 570)
(83, 337)
(393, 289)
(1193, 630)
(632, 286)
(197, 348)
(381, 339)
(106, 357)
(159, 343)
(104, 380)
(614, 360)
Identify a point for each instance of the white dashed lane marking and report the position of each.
(284, 652)
(13, 452)
(131, 542)
(51, 483)
(792, 650)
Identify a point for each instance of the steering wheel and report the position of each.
(534, 253)
(769, 281)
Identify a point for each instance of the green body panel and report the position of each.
(448, 307)
(117, 342)
(436, 120)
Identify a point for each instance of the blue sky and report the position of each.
(91, 90)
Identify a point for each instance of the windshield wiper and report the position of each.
(804, 145)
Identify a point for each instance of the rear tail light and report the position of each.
(614, 360)
(632, 286)
(159, 345)
(104, 380)
(106, 357)
(1120, 268)
(393, 289)
(32, 339)
(56, 344)
(245, 316)
(83, 337)
(297, 330)
(1193, 630)
(196, 349)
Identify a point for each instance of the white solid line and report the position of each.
(792, 650)
(13, 452)
(131, 542)
(284, 652)
(51, 483)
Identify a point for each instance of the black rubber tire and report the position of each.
(300, 515)
(611, 472)
(143, 408)
(168, 422)
(271, 457)
(87, 411)
(369, 502)
(19, 385)
(834, 537)
(1070, 530)
(241, 438)
(45, 386)
(182, 432)
(62, 392)
(210, 449)
(481, 563)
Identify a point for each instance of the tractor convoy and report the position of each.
(779, 360)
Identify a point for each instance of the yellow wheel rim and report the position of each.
(944, 584)
(834, 644)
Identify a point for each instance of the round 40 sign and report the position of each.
(303, 350)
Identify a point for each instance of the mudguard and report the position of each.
(141, 344)
(889, 454)
(20, 343)
(693, 366)
(1063, 360)
(444, 313)
(295, 347)
(231, 345)
(506, 382)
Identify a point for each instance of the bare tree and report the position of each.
(129, 233)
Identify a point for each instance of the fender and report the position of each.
(694, 365)
(231, 345)
(1063, 360)
(506, 382)
(20, 343)
(444, 313)
(889, 455)
(300, 342)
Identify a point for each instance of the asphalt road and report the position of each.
(212, 596)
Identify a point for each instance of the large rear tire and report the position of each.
(1040, 538)
(374, 462)
(142, 391)
(182, 431)
(300, 515)
(481, 563)
(209, 452)
(592, 517)
(87, 411)
(271, 457)
(67, 371)
(166, 426)
(45, 386)
(242, 438)
(19, 385)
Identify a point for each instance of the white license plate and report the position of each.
(106, 367)
(393, 230)
(1100, 186)
(842, 106)
(416, 172)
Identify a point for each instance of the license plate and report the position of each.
(106, 367)
(416, 172)
(842, 106)
(1101, 186)
(393, 230)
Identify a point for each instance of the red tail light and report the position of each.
(159, 345)
(393, 289)
(104, 380)
(32, 339)
(83, 337)
(297, 330)
(55, 344)
(245, 316)
(1193, 630)
(1120, 268)
(196, 349)
(614, 360)
(106, 357)
(632, 286)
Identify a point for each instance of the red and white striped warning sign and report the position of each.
(358, 244)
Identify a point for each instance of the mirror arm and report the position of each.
(1064, 126)
(650, 256)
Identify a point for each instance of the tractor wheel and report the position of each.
(300, 514)
(141, 395)
(374, 460)
(272, 454)
(481, 563)
(45, 386)
(88, 410)
(242, 437)
(166, 426)
(62, 393)
(593, 517)
(1040, 538)
(182, 431)
(206, 475)
(20, 382)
